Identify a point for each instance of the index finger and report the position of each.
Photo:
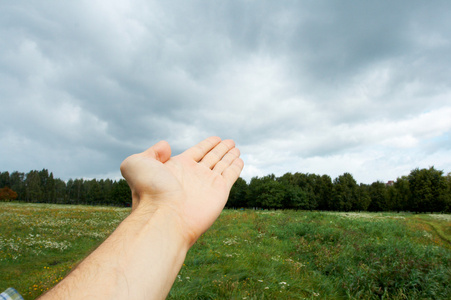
(198, 151)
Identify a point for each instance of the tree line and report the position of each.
(42, 187)
(423, 190)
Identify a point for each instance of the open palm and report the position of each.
(194, 185)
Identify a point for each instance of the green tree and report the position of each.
(364, 198)
(78, 191)
(401, 200)
(448, 193)
(17, 180)
(297, 198)
(428, 190)
(237, 196)
(46, 187)
(70, 191)
(121, 193)
(4, 179)
(319, 192)
(34, 191)
(302, 190)
(60, 195)
(324, 189)
(266, 192)
(106, 186)
(345, 193)
(391, 199)
(299, 191)
(379, 197)
(93, 192)
(49, 188)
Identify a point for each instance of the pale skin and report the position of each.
(175, 200)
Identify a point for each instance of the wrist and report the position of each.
(146, 207)
(165, 218)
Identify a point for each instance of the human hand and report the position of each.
(175, 200)
(194, 185)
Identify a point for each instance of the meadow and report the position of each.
(248, 254)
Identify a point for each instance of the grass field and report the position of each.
(248, 254)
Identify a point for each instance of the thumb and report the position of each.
(161, 151)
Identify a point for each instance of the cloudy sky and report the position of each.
(322, 87)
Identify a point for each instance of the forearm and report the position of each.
(140, 260)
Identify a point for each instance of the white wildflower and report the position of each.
(230, 241)
(441, 217)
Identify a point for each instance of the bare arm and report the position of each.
(175, 200)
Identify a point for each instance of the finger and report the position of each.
(161, 151)
(227, 160)
(232, 172)
(200, 150)
(217, 153)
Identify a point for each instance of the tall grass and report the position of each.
(295, 255)
(248, 254)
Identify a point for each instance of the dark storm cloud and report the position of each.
(300, 85)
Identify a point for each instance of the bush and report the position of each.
(7, 194)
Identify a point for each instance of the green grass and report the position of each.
(41, 243)
(248, 254)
